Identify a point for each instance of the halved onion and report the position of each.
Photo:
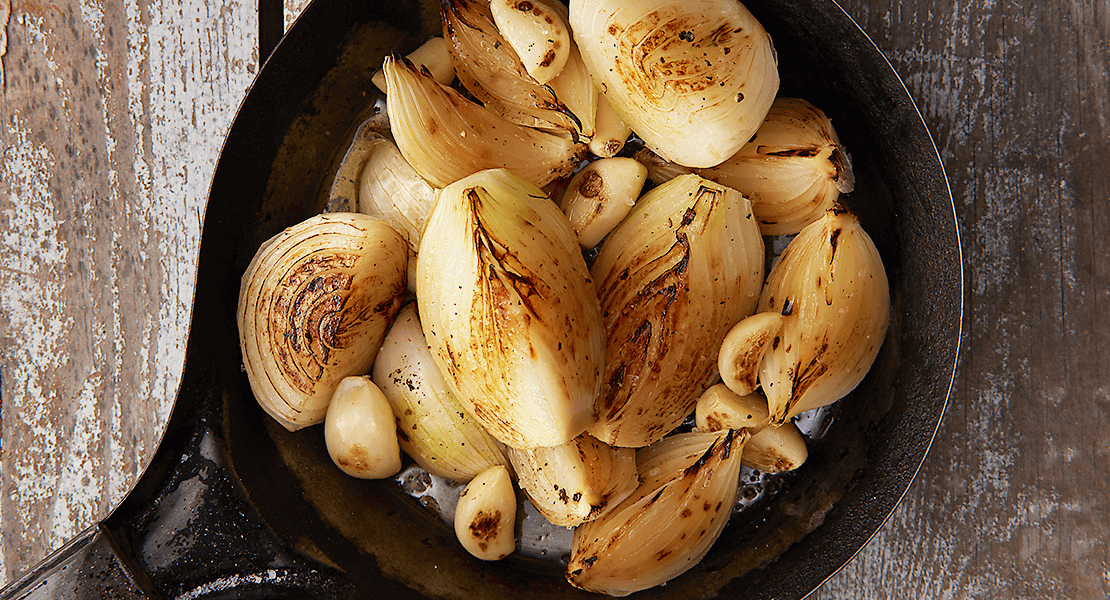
(314, 305)
(694, 79)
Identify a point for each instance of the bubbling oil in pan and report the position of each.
(539, 539)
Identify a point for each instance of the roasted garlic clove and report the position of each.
(536, 32)
(391, 190)
(719, 408)
(743, 348)
(793, 170)
(314, 305)
(668, 524)
(575, 89)
(490, 69)
(485, 517)
(610, 131)
(770, 449)
(359, 430)
(831, 289)
(600, 195)
(509, 310)
(685, 265)
(432, 55)
(693, 79)
(432, 425)
(577, 481)
(446, 137)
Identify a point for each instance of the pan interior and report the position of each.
(316, 89)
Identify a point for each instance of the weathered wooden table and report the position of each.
(111, 120)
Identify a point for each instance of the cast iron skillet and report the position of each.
(233, 506)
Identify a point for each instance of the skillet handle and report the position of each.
(89, 567)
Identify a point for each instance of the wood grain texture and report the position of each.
(1014, 498)
(110, 124)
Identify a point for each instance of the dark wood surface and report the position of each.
(110, 122)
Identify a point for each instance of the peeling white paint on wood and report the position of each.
(292, 10)
(99, 229)
(5, 15)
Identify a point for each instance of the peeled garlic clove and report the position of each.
(610, 131)
(776, 449)
(667, 525)
(314, 305)
(490, 69)
(391, 190)
(432, 425)
(577, 481)
(359, 431)
(600, 195)
(432, 55)
(793, 170)
(446, 137)
(509, 310)
(536, 32)
(694, 79)
(831, 288)
(485, 517)
(743, 348)
(719, 408)
(770, 449)
(685, 265)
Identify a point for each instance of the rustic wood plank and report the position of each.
(112, 119)
(1013, 499)
(293, 10)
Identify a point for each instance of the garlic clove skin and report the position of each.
(485, 516)
(359, 430)
(659, 168)
(668, 524)
(600, 195)
(509, 310)
(446, 137)
(693, 79)
(314, 305)
(682, 267)
(577, 481)
(432, 55)
(391, 190)
(743, 348)
(770, 449)
(433, 427)
(536, 32)
(831, 289)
